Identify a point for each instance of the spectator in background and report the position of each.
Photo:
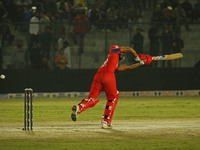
(38, 4)
(174, 4)
(139, 7)
(27, 14)
(18, 56)
(3, 12)
(147, 4)
(169, 16)
(58, 28)
(123, 17)
(197, 10)
(154, 37)
(44, 21)
(181, 19)
(133, 15)
(7, 36)
(177, 46)
(80, 28)
(67, 53)
(155, 3)
(38, 58)
(187, 6)
(138, 41)
(164, 4)
(102, 11)
(157, 16)
(26, 17)
(112, 18)
(61, 60)
(56, 18)
(21, 7)
(46, 38)
(50, 6)
(34, 28)
(64, 8)
(10, 6)
(166, 40)
(61, 40)
(93, 17)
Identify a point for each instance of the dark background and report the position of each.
(141, 79)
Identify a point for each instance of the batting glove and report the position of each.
(148, 60)
(142, 57)
(142, 62)
(137, 59)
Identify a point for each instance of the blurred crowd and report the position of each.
(85, 15)
(99, 11)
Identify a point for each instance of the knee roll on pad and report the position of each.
(87, 103)
(108, 110)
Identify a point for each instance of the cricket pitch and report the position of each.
(92, 129)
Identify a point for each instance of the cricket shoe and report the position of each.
(75, 112)
(105, 125)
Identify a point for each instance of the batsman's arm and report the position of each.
(130, 50)
(127, 67)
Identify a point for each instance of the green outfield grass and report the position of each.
(56, 112)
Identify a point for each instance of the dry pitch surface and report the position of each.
(92, 129)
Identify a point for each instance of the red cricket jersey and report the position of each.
(105, 77)
(112, 62)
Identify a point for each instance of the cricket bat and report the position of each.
(168, 57)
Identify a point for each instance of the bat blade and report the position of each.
(168, 57)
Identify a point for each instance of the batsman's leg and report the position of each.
(87, 103)
(83, 105)
(109, 111)
(113, 108)
(112, 97)
(91, 101)
(107, 114)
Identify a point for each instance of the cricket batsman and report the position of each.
(105, 80)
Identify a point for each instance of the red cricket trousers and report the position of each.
(106, 81)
